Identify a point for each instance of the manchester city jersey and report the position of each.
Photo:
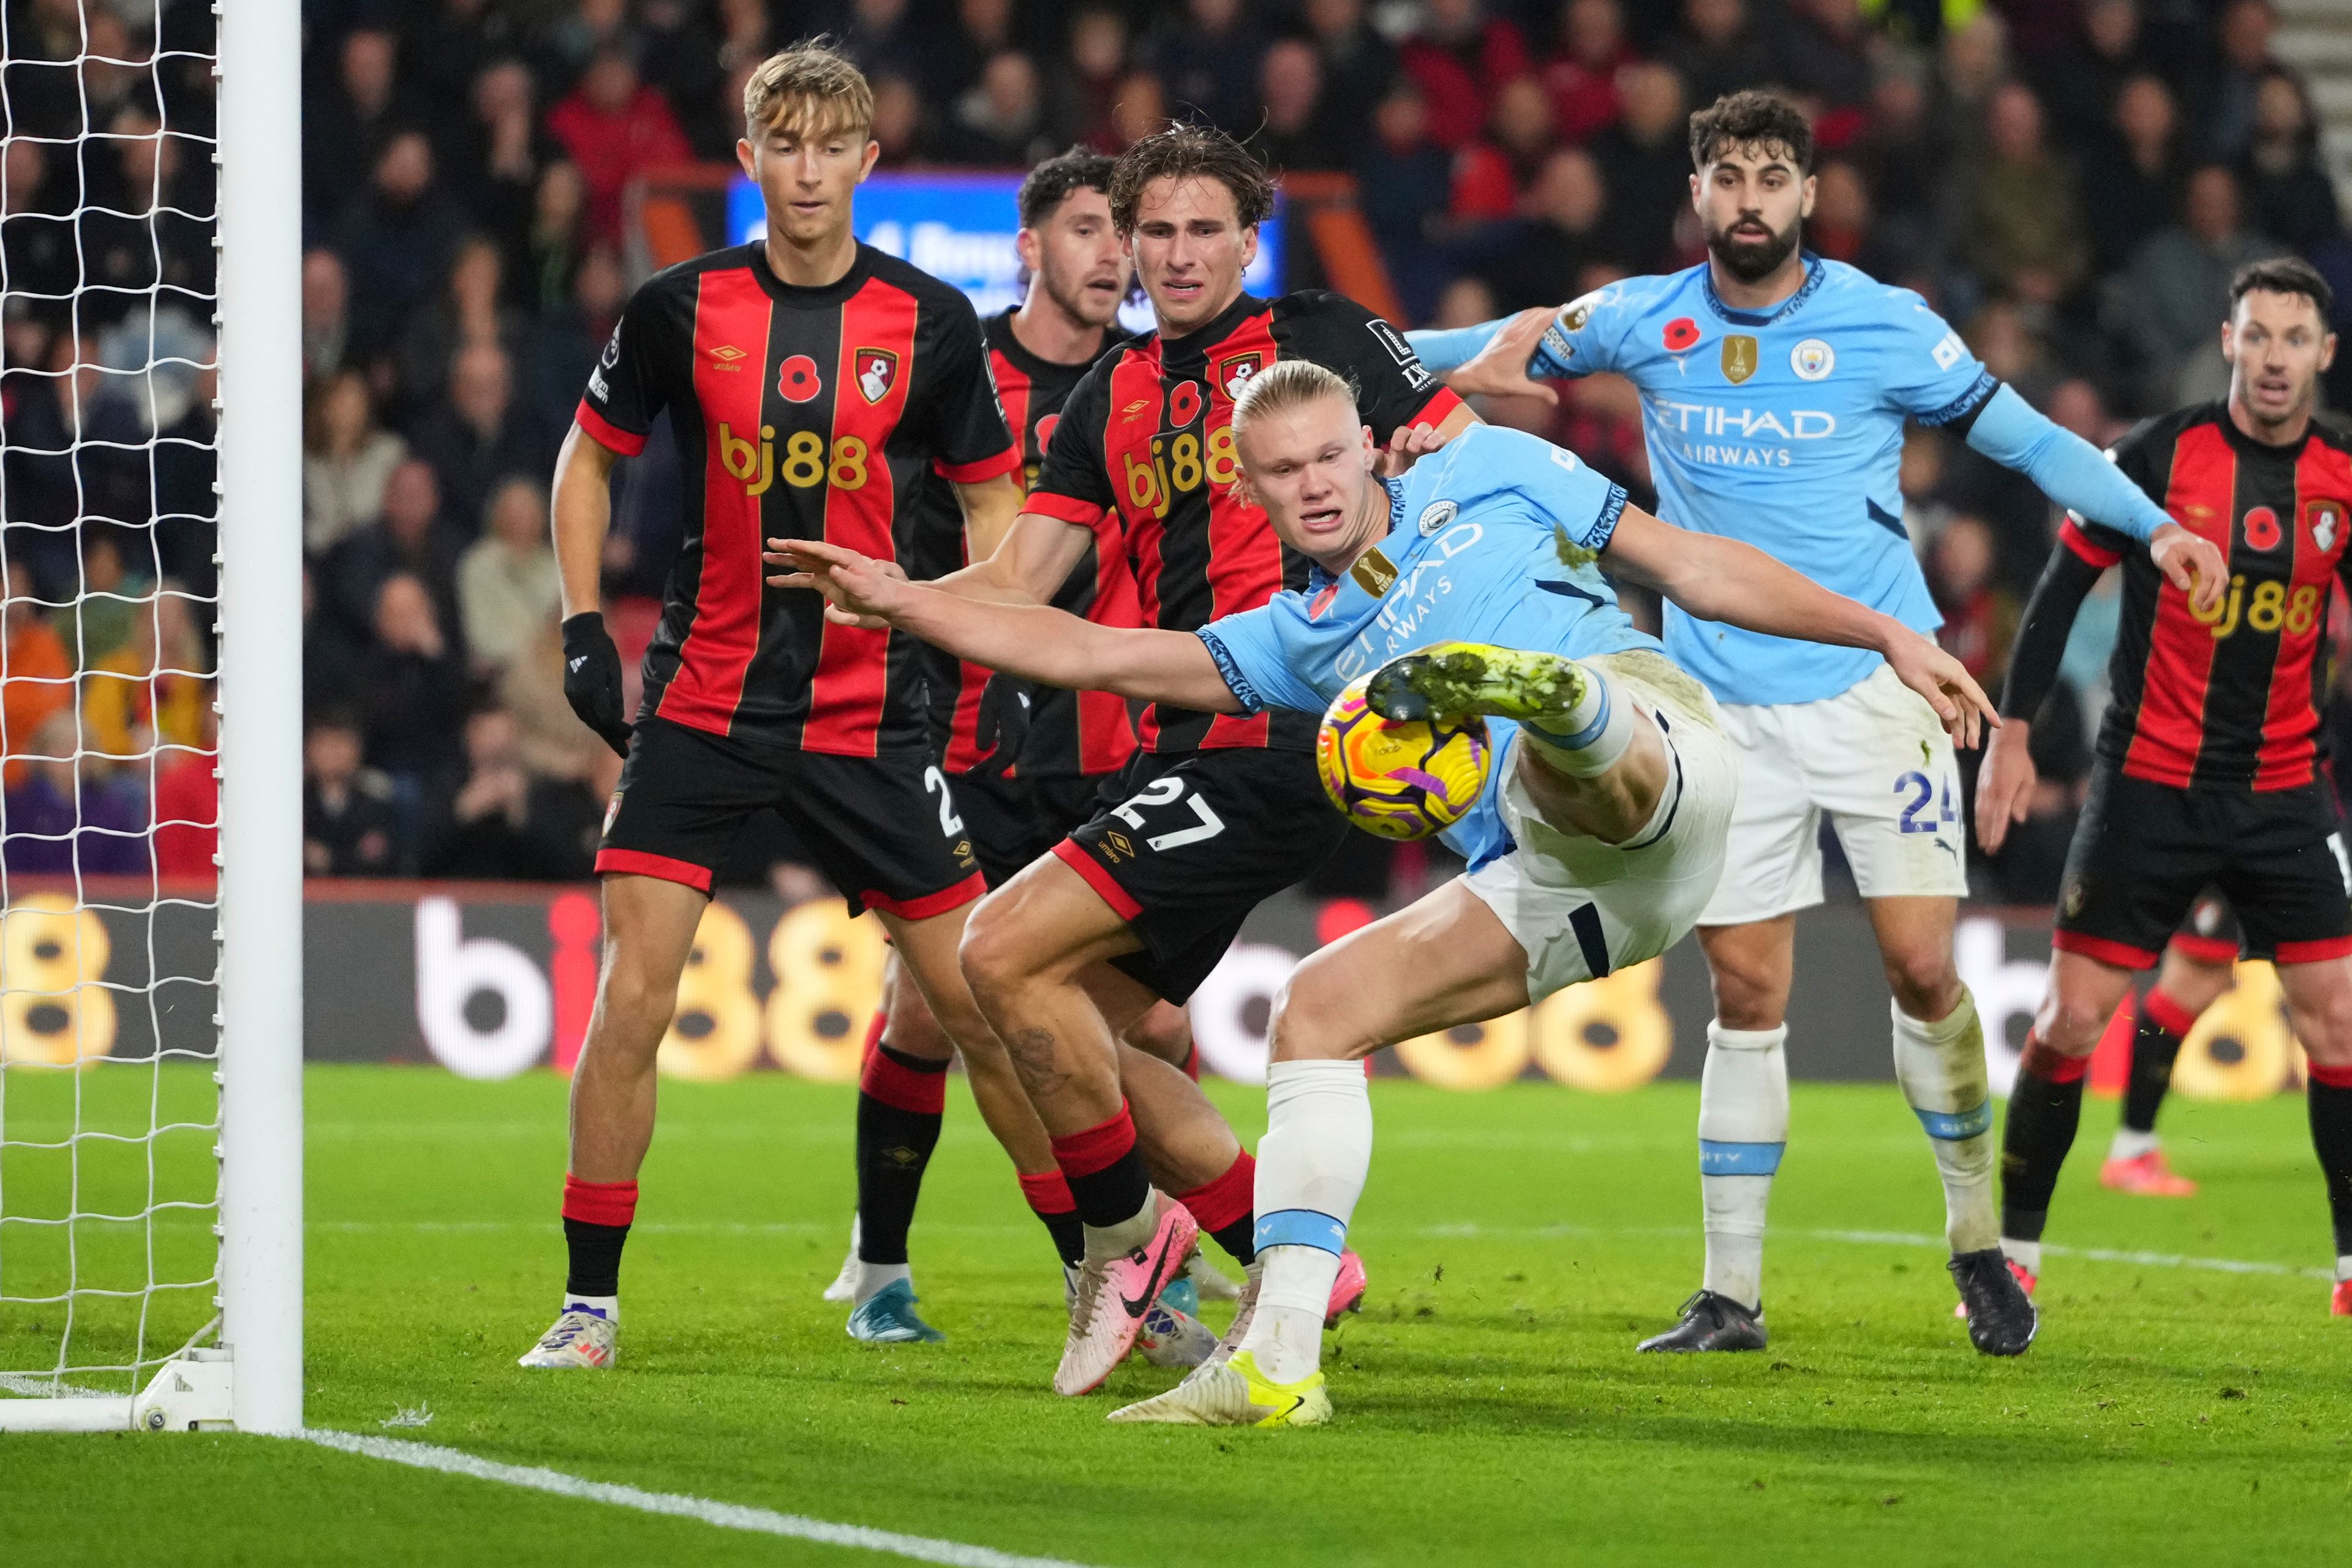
(1783, 428)
(1492, 539)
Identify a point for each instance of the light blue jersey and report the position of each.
(1782, 428)
(1472, 554)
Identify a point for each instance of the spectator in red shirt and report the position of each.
(1489, 173)
(615, 127)
(187, 809)
(1460, 59)
(1582, 76)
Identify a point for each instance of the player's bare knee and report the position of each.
(2071, 1024)
(1164, 1032)
(2322, 1016)
(1313, 1020)
(1926, 983)
(1749, 993)
(995, 955)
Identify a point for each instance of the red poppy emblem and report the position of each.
(1681, 334)
(1321, 601)
(796, 379)
(1045, 429)
(2262, 531)
(1183, 405)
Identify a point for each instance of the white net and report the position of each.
(109, 1108)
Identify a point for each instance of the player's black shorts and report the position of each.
(2209, 932)
(1196, 841)
(884, 830)
(1013, 820)
(2144, 852)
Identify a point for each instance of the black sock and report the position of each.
(1070, 1236)
(1240, 1239)
(2331, 1140)
(895, 1141)
(2153, 1049)
(1114, 1195)
(595, 1250)
(2044, 1109)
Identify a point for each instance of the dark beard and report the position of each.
(1751, 261)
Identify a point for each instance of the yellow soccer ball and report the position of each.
(1400, 778)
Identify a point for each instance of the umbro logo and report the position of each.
(1134, 408)
(726, 354)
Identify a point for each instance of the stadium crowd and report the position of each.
(2072, 180)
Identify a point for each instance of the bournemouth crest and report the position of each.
(1235, 373)
(877, 372)
(2326, 516)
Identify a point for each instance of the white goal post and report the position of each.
(250, 1373)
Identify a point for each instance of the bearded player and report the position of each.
(2210, 768)
(1222, 809)
(1471, 585)
(1026, 764)
(1775, 388)
(815, 386)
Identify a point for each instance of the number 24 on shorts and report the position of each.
(1915, 817)
(1167, 791)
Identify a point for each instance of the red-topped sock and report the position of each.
(2163, 1022)
(1225, 1207)
(1104, 1172)
(597, 1220)
(902, 1102)
(2044, 1109)
(1049, 1198)
(2329, 1094)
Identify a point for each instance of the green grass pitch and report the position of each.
(1490, 1406)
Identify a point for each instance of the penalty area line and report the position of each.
(677, 1505)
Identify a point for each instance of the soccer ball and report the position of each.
(1398, 778)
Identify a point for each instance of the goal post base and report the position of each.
(190, 1393)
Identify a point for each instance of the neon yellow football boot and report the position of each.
(1234, 1392)
(1451, 680)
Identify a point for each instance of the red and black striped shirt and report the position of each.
(805, 414)
(2232, 698)
(1148, 436)
(984, 722)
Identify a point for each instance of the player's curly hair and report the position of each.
(811, 88)
(1191, 151)
(1050, 183)
(1751, 118)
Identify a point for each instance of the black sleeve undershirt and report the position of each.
(2065, 583)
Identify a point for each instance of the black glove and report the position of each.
(592, 678)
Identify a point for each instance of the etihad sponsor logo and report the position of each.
(1739, 358)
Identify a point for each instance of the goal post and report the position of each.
(208, 1336)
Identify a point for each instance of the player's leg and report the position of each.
(1447, 958)
(682, 795)
(2045, 1106)
(2319, 1004)
(2199, 968)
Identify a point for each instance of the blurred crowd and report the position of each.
(2070, 181)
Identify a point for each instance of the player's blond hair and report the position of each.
(1286, 384)
(809, 89)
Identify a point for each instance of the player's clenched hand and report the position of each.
(592, 678)
(2004, 783)
(1947, 685)
(2189, 563)
(859, 591)
(1500, 369)
(1407, 446)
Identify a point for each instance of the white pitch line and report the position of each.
(1899, 1238)
(725, 1515)
(48, 1388)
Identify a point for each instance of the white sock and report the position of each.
(1109, 1241)
(1941, 1067)
(1743, 1126)
(1311, 1166)
(2344, 1266)
(2026, 1255)
(1593, 734)
(872, 1276)
(605, 1307)
(2131, 1143)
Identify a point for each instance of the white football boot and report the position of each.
(580, 1339)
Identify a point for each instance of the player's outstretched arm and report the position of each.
(1033, 642)
(2005, 782)
(1719, 578)
(581, 509)
(2078, 477)
(1491, 358)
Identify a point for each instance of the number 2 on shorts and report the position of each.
(1911, 821)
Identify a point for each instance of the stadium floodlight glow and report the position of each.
(162, 1343)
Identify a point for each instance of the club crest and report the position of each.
(1235, 373)
(1436, 515)
(1812, 359)
(877, 372)
(2326, 517)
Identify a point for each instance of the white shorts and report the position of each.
(1876, 758)
(1581, 907)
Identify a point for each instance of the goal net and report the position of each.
(150, 935)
